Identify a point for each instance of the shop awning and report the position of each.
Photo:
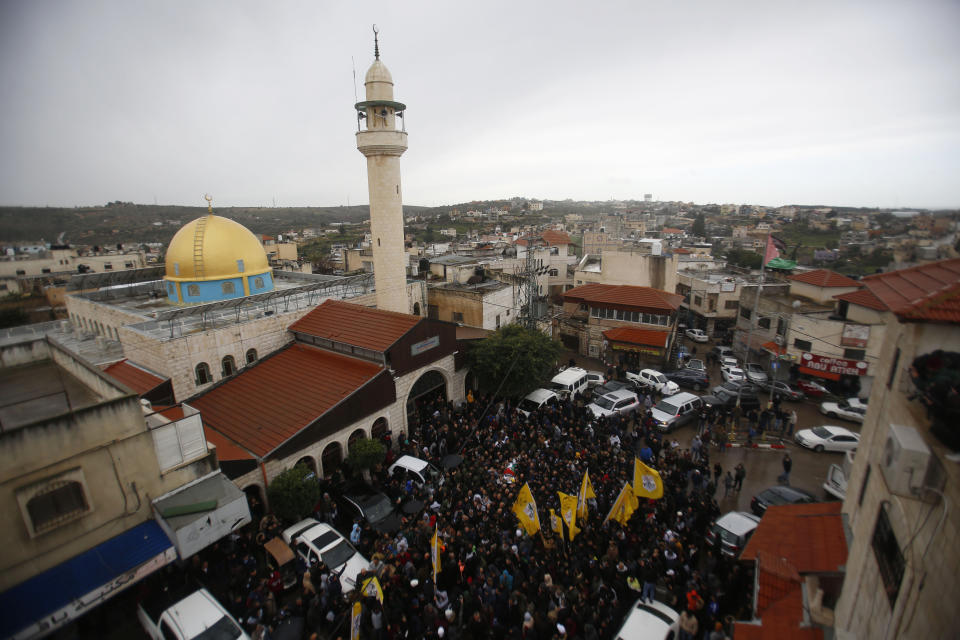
(820, 374)
(774, 348)
(62, 593)
(631, 335)
(200, 513)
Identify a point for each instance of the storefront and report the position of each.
(635, 347)
(848, 376)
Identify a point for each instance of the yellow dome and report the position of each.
(222, 244)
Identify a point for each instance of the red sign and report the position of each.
(837, 366)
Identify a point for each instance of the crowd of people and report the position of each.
(494, 580)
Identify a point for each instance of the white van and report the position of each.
(676, 410)
(536, 399)
(570, 383)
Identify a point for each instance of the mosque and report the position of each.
(284, 367)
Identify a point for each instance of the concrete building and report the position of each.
(80, 460)
(32, 271)
(711, 300)
(901, 572)
(382, 144)
(485, 304)
(628, 267)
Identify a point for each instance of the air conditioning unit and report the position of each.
(908, 465)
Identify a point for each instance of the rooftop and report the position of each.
(824, 278)
(38, 391)
(929, 292)
(809, 536)
(625, 296)
(356, 325)
(136, 377)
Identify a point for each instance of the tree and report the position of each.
(366, 453)
(294, 493)
(515, 356)
(741, 258)
(699, 225)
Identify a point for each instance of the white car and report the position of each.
(317, 542)
(173, 615)
(729, 361)
(622, 402)
(851, 409)
(828, 438)
(733, 374)
(536, 399)
(697, 335)
(654, 621)
(653, 380)
(755, 373)
(595, 379)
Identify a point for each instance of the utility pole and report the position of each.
(530, 307)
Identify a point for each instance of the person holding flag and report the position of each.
(586, 493)
(435, 553)
(624, 506)
(525, 508)
(646, 481)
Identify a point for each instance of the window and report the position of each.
(172, 290)
(889, 557)
(108, 266)
(697, 301)
(203, 373)
(498, 321)
(45, 270)
(55, 501)
(763, 323)
(854, 354)
(251, 356)
(128, 265)
(745, 313)
(226, 287)
(893, 368)
(21, 272)
(781, 326)
(193, 290)
(176, 268)
(178, 442)
(731, 304)
(239, 266)
(229, 366)
(456, 316)
(803, 345)
(258, 283)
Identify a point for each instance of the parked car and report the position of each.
(695, 365)
(595, 379)
(649, 621)
(828, 438)
(755, 373)
(317, 542)
(737, 386)
(610, 387)
(837, 475)
(783, 390)
(732, 531)
(622, 402)
(779, 494)
(280, 558)
(536, 399)
(690, 378)
(720, 351)
(732, 374)
(569, 383)
(851, 409)
(653, 380)
(729, 400)
(374, 507)
(420, 471)
(676, 411)
(729, 361)
(180, 615)
(811, 388)
(697, 335)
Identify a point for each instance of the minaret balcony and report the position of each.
(387, 143)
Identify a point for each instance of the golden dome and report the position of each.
(222, 245)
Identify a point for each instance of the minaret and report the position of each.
(383, 144)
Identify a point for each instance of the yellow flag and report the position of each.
(646, 481)
(371, 587)
(525, 509)
(555, 523)
(355, 621)
(586, 492)
(568, 511)
(435, 553)
(624, 507)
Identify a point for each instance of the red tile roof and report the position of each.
(134, 376)
(265, 405)
(624, 296)
(356, 325)
(682, 250)
(927, 292)
(671, 230)
(864, 298)
(808, 536)
(824, 278)
(226, 450)
(637, 336)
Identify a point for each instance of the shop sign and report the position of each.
(855, 335)
(837, 366)
(650, 351)
(424, 345)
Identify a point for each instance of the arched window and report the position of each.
(193, 290)
(251, 356)
(203, 373)
(258, 283)
(229, 366)
(416, 308)
(226, 287)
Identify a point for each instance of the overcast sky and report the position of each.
(765, 102)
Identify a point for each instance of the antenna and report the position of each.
(353, 65)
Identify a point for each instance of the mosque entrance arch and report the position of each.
(356, 435)
(331, 458)
(380, 429)
(309, 462)
(429, 390)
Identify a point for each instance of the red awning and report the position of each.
(774, 348)
(819, 374)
